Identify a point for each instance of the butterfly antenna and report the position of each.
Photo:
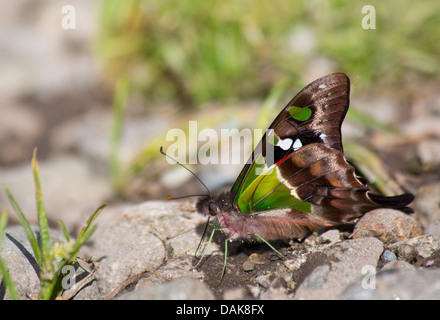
(177, 162)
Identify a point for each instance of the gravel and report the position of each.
(144, 250)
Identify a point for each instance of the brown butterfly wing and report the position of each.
(314, 167)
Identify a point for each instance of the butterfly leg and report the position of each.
(270, 246)
(204, 245)
(226, 257)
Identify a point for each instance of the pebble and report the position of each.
(292, 264)
(329, 237)
(248, 265)
(387, 225)
(406, 252)
(388, 255)
(425, 245)
(134, 238)
(264, 280)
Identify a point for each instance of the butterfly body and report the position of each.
(269, 225)
(297, 179)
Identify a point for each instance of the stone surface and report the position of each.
(19, 257)
(331, 236)
(398, 264)
(387, 225)
(346, 263)
(181, 289)
(427, 203)
(425, 245)
(433, 228)
(141, 239)
(398, 284)
(143, 249)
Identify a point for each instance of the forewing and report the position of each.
(313, 116)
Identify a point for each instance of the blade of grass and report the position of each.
(27, 228)
(42, 218)
(122, 90)
(90, 220)
(65, 232)
(80, 241)
(9, 285)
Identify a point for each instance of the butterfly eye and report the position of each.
(212, 208)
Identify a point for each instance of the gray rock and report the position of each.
(426, 203)
(387, 225)
(348, 261)
(398, 264)
(145, 238)
(181, 289)
(433, 228)
(406, 252)
(388, 255)
(329, 237)
(19, 258)
(248, 265)
(23, 268)
(398, 284)
(425, 245)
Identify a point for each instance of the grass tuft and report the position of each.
(51, 258)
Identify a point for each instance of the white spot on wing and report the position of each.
(297, 144)
(285, 144)
(322, 86)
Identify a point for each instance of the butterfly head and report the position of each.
(215, 206)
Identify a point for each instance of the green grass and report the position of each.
(121, 93)
(9, 284)
(193, 52)
(50, 258)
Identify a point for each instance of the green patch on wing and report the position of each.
(262, 190)
(300, 114)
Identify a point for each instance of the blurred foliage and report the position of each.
(198, 51)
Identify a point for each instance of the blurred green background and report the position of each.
(99, 100)
(198, 51)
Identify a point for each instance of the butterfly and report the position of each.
(297, 179)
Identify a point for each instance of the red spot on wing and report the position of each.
(282, 160)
